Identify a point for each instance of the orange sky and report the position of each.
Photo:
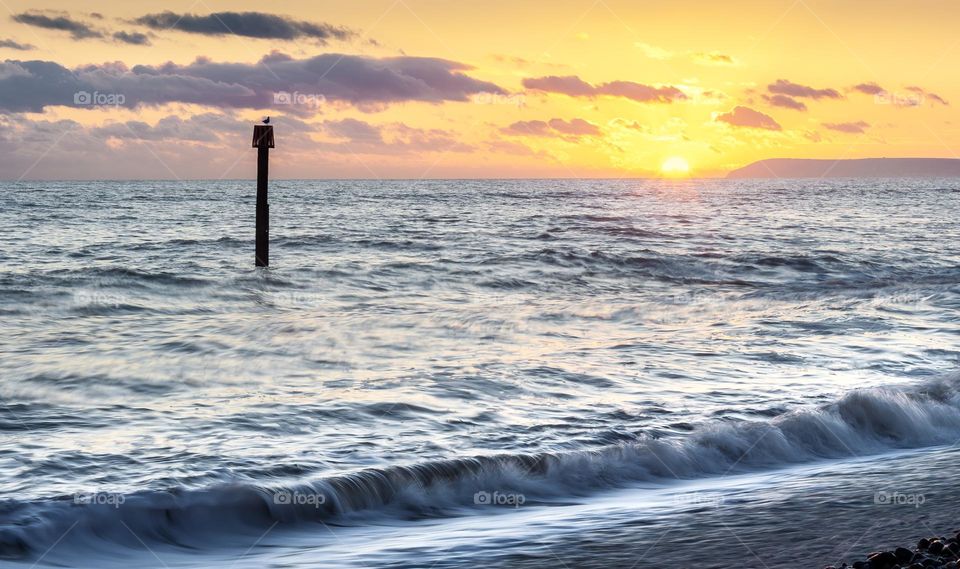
(528, 89)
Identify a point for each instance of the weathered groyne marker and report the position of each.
(263, 142)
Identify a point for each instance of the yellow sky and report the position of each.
(720, 55)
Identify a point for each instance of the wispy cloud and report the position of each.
(572, 129)
(11, 44)
(858, 127)
(785, 102)
(654, 52)
(790, 89)
(714, 58)
(868, 88)
(928, 95)
(749, 118)
(573, 86)
(133, 38)
(698, 57)
(78, 30)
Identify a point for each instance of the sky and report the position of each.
(470, 89)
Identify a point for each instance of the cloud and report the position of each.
(210, 128)
(247, 24)
(204, 145)
(785, 102)
(567, 130)
(360, 137)
(570, 85)
(859, 127)
(784, 87)
(354, 130)
(869, 88)
(78, 30)
(575, 127)
(641, 93)
(746, 117)
(133, 38)
(698, 57)
(361, 81)
(528, 128)
(928, 95)
(11, 44)
(653, 52)
(8, 70)
(573, 86)
(713, 58)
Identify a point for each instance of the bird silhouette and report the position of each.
(266, 120)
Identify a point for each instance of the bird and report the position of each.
(266, 120)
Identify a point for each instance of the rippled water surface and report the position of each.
(416, 343)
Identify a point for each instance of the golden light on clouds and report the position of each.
(431, 89)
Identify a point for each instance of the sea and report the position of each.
(463, 373)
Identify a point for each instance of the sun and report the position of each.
(675, 166)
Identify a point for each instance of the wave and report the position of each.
(861, 422)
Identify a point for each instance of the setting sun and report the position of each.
(675, 166)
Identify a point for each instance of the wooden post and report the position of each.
(263, 142)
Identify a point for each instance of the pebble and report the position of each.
(930, 553)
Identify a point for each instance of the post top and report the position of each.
(263, 136)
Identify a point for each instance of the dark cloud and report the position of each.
(134, 38)
(858, 127)
(869, 88)
(365, 82)
(784, 87)
(572, 129)
(785, 102)
(573, 86)
(749, 118)
(10, 70)
(11, 44)
(247, 24)
(78, 30)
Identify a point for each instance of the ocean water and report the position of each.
(555, 373)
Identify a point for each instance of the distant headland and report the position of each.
(856, 168)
